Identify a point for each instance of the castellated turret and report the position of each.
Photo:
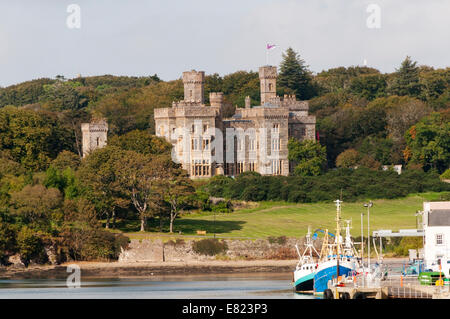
(268, 80)
(193, 86)
(216, 99)
(94, 135)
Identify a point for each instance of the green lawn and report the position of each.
(292, 220)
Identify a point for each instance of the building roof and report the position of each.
(439, 217)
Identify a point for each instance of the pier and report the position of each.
(392, 287)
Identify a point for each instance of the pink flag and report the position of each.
(270, 46)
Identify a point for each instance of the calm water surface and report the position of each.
(230, 286)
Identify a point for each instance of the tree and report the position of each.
(66, 159)
(98, 173)
(406, 80)
(348, 159)
(8, 243)
(31, 246)
(403, 115)
(178, 189)
(428, 142)
(309, 157)
(140, 177)
(295, 76)
(32, 138)
(369, 86)
(36, 204)
(142, 142)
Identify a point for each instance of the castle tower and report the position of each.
(268, 80)
(193, 86)
(216, 99)
(94, 135)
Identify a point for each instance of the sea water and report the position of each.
(210, 286)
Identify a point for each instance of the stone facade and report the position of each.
(253, 139)
(94, 135)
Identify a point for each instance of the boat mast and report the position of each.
(338, 226)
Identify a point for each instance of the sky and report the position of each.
(143, 37)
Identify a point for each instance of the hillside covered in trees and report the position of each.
(52, 198)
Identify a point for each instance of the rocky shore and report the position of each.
(146, 269)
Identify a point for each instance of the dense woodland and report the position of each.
(50, 198)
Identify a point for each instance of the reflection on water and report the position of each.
(230, 286)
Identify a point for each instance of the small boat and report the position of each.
(303, 280)
(337, 259)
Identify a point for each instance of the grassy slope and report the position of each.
(292, 220)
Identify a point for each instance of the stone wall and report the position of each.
(157, 251)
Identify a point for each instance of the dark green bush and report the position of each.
(356, 184)
(224, 206)
(209, 247)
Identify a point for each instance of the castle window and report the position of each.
(205, 128)
(276, 128)
(270, 86)
(275, 144)
(251, 144)
(276, 167)
(200, 168)
(190, 93)
(193, 128)
(205, 145)
(195, 145)
(240, 144)
(98, 141)
(252, 166)
(239, 168)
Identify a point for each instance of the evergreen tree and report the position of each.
(406, 81)
(294, 76)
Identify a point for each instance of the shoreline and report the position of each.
(149, 269)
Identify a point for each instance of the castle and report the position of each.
(94, 135)
(253, 139)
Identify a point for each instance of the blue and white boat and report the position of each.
(303, 280)
(337, 259)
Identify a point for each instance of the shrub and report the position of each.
(222, 207)
(356, 184)
(93, 244)
(8, 244)
(277, 240)
(446, 174)
(209, 247)
(31, 247)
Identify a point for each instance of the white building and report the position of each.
(436, 225)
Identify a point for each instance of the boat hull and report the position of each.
(304, 283)
(328, 271)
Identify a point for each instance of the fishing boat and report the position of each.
(303, 280)
(338, 258)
